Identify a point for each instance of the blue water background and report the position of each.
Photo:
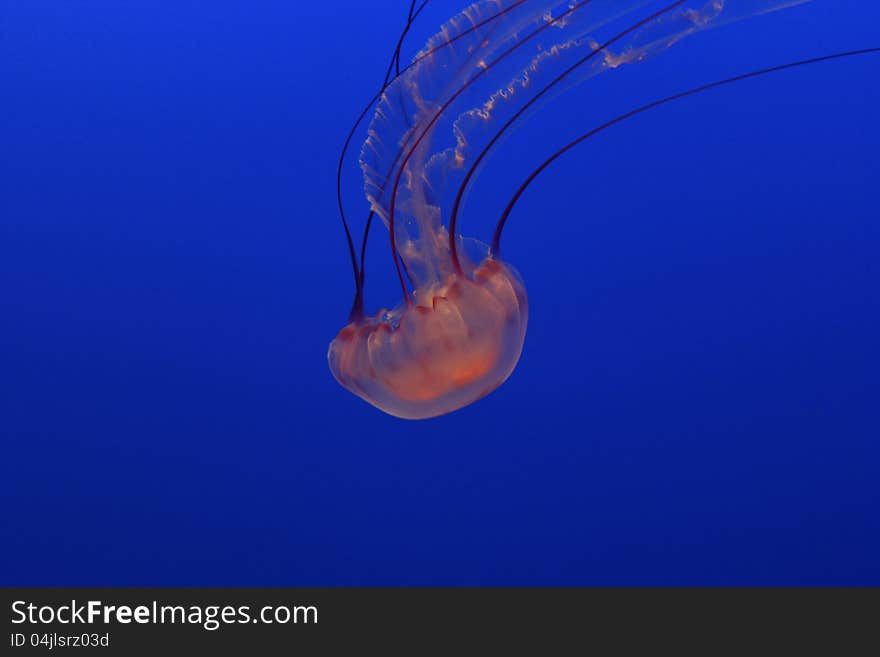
(698, 401)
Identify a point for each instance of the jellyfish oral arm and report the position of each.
(357, 306)
(485, 68)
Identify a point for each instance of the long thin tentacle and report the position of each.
(496, 239)
(357, 307)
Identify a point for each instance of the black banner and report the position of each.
(412, 621)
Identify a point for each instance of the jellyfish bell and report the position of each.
(457, 339)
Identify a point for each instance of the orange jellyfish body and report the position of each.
(455, 343)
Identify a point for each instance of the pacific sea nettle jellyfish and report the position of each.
(459, 332)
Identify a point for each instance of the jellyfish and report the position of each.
(460, 329)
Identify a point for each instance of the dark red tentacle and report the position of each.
(496, 239)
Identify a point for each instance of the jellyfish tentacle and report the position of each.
(496, 238)
(357, 309)
(409, 22)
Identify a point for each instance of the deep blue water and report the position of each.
(698, 401)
